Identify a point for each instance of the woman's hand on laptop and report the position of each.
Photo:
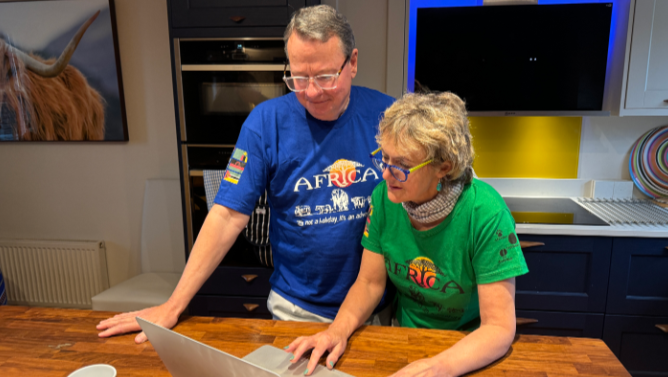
(163, 315)
(329, 340)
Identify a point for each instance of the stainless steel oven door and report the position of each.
(218, 98)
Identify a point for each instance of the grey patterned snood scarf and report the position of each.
(437, 208)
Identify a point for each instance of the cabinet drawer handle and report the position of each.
(248, 278)
(663, 328)
(525, 321)
(251, 307)
(527, 244)
(237, 19)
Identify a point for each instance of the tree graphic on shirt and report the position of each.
(422, 271)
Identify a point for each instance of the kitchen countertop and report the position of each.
(55, 342)
(643, 231)
(568, 188)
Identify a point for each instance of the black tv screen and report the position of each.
(515, 58)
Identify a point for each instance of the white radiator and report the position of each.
(53, 273)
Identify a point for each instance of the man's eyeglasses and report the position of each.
(325, 82)
(400, 174)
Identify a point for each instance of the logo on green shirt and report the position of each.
(512, 238)
(422, 272)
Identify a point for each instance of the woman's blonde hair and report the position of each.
(436, 123)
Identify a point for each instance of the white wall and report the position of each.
(606, 144)
(95, 190)
(368, 19)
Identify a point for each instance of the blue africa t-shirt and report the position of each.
(319, 180)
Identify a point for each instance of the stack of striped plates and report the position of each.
(648, 163)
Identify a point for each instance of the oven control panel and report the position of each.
(232, 51)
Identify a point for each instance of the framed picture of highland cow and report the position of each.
(60, 77)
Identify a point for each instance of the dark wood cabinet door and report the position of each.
(567, 273)
(232, 13)
(638, 343)
(561, 324)
(639, 277)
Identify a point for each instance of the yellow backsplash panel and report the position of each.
(526, 147)
(543, 218)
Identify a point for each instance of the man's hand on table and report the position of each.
(123, 323)
(328, 340)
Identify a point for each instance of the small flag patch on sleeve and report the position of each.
(368, 221)
(236, 166)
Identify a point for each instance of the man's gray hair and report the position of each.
(320, 23)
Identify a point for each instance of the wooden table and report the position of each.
(55, 342)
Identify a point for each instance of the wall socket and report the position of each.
(609, 189)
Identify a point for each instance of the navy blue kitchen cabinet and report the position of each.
(238, 306)
(637, 303)
(565, 291)
(234, 291)
(231, 280)
(599, 287)
(638, 343)
(567, 274)
(639, 277)
(561, 323)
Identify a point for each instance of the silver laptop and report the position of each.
(185, 357)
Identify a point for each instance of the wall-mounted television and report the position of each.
(515, 59)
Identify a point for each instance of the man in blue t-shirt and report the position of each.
(310, 151)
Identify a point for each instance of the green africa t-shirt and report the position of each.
(437, 271)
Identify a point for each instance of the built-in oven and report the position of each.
(218, 83)
(222, 81)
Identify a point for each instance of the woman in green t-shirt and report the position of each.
(445, 239)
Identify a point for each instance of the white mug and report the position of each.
(96, 370)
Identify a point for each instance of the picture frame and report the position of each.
(60, 72)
